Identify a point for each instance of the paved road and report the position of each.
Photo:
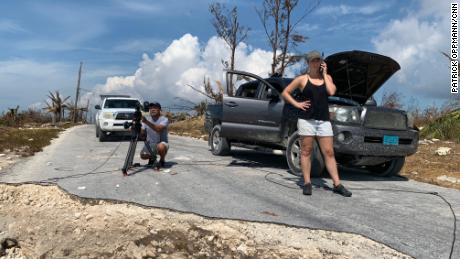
(251, 186)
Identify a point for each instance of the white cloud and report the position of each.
(166, 75)
(306, 27)
(32, 68)
(348, 9)
(141, 6)
(138, 45)
(25, 81)
(45, 44)
(10, 26)
(415, 41)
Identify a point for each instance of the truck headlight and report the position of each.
(107, 115)
(345, 114)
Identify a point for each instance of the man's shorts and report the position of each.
(314, 128)
(154, 148)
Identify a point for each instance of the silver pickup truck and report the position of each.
(374, 139)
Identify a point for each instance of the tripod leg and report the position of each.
(129, 156)
(149, 148)
(132, 153)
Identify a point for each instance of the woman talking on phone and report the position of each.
(313, 120)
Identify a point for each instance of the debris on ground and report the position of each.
(442, 151)
(47, 222)
(448, 179)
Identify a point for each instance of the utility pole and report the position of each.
(77, 95)
(86, 113)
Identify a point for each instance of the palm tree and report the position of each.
(57, 105)
(200, 108)
(51, 109)
(72, 109)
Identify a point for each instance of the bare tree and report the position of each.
(392, 100)
(228, 28)
(209, 90)
(276, 18)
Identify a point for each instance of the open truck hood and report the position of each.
(359, 74)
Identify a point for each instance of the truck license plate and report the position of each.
(390, 140)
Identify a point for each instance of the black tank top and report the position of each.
(319, 108)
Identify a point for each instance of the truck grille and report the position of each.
(385, 120)
(124, 116)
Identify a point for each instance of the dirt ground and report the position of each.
(45, 222)
(426, 166)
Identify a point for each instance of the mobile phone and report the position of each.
(322, 59)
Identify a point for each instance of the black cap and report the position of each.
(155, 104)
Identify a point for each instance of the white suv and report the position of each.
(110, 117)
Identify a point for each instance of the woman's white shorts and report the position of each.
(314, 128)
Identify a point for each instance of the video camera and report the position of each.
(137, 116)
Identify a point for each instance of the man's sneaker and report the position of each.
(340, 189)
(307, 189)
(151, 162)
(162, 163)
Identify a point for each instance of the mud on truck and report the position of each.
(371, 138)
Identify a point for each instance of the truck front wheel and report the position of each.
(388, 169)
(101, 134)
(293, 157)
(219, 145)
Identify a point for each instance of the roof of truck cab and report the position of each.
(121, 98)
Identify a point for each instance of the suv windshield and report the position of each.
(121, 104)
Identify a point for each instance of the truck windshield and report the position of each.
(121, 104)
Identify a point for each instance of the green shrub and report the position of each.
(446, 127)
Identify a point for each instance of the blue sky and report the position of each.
(124, 44)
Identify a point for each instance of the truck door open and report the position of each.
(246, 116)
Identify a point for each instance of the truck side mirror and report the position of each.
(371, 102)
(97, 107)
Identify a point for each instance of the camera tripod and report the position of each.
(135, 133)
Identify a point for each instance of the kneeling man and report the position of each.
(156, 128)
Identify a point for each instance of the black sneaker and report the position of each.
(162, 163)
(307, 189)
(340, 189)
(151, 162)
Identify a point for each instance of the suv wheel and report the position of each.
(102, 135)
(293, 157)
(388, 169)
(219, 145)
(97, 131)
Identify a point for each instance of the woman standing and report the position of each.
(316, 85)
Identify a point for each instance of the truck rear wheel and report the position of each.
(293, 157)
(219, 145)
(388, 169)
